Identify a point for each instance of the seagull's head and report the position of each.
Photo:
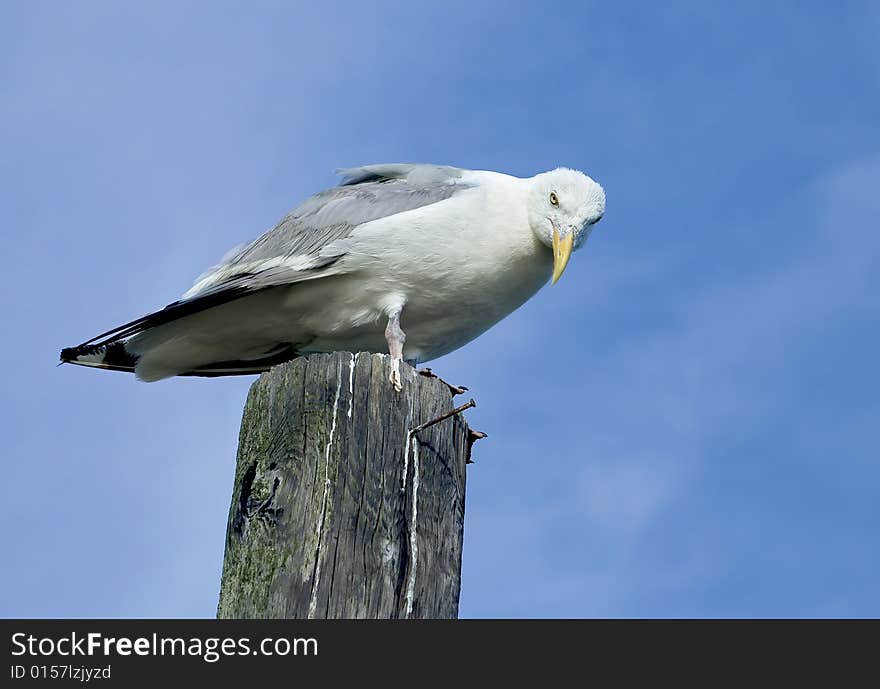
(564, 205)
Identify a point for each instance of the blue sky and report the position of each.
(686, 425)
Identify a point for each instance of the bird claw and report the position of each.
(454, 389)
(473, 436)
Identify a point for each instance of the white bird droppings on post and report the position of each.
(409, 420)
(413, 535)
(412, 441)
(313, 601)
(351, 384)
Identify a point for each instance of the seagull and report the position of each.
(414, 257)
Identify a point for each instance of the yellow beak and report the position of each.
(561, 253)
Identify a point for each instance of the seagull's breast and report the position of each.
(455, 267)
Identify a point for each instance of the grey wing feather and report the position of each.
(295, 249)
(417, 174)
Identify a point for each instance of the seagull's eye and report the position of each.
(554, 199)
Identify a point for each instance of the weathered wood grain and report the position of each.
(336, 511)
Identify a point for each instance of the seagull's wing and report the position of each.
(300, 247)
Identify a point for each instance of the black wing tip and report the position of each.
(71, 354)
(114, 355)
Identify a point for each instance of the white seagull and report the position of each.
(440, 252)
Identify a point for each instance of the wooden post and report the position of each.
(339, 509)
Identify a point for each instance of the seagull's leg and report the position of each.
(395, 337)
